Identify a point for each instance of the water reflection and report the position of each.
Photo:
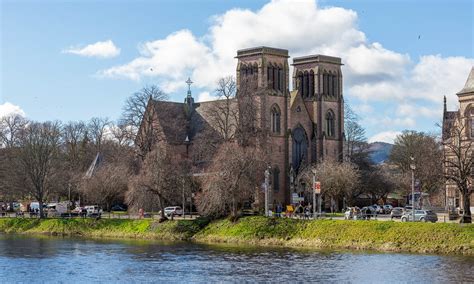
(79, 260)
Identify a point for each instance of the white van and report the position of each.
(93, 209)
(60, 207)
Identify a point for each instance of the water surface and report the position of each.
(45, 259)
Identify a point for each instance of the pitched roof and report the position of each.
(172, 119)
(469, 86)
(179, 124)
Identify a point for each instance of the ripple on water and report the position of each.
(61, 259)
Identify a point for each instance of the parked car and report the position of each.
(420, 215)
(173, 210)
(93, 210)
(377, 209)
(387, 208)
(396, 212)
(118, 207)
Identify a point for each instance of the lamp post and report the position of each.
(184, 201)
(413, 168)
(314, 193)
(267, 178)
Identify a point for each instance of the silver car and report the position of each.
(420, 215)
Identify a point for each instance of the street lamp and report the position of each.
(314, 193)
(413, 168)
(267, 180)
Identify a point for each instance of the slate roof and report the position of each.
(469, 86)
(179, 122)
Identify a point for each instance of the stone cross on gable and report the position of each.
(189, 82)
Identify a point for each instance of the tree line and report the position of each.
(46, 161)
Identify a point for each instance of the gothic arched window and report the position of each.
(271, 77)
(330, 124)
(276, 179)
(325, 84)
(330, 85)
(243, 70)
(280, 79)
(306, 84)
(276, 117)
(300, 82)
(300, 147)
(275, 78)
(311, 83)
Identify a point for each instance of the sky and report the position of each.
(74, 60)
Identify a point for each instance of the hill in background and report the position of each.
(380, 151)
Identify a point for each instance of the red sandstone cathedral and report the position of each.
(303, 125)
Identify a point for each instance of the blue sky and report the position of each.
(400, 57)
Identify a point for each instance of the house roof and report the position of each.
(469, 86)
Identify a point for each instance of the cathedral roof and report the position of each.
(178, 125)
(172, 119)
(469, 86)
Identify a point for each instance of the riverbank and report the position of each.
(321, 234)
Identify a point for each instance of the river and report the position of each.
(49, 259)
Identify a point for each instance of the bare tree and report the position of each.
(223, 114)
(248, 100)
(38, 153)
(355, 145)
(235, 174)
(97, 128)
(378, 183)
(135, 106)
(107, 185)
(459, 164)
(122, 133)
(10, 127)
(427, 153)
(138, 114)
(75, 141)
(338, 180)
(157, 177)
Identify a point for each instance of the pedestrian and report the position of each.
(306, 212)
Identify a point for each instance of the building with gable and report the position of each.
(303, 125)
(459, 125)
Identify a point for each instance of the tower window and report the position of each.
(311, 83)
(276, 115)
(471, 121)
(325, 84)
(276, 179)
(280, 79)
(330, 124)
(300, 83)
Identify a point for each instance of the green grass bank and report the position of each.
(324, 234)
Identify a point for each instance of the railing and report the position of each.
(105, 215)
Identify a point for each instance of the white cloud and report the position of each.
(412, 110)
(386, 136)
(405, 122)
(102, 49)
(372, 60)
(9, 109)
(301, 27)
(412, 88)
(431, 78)
(205, 97)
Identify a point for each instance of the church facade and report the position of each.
(303, 125)
(458, 126)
